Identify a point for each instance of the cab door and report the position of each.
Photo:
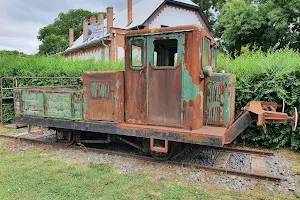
(164, 74)
(135, 79)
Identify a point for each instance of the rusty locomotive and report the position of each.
(169, 95)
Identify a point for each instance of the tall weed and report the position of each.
(39, 66)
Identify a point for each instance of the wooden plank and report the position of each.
(222, 159)
(258, 164)
(20, 134)
(14, 126)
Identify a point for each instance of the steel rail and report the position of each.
(149, 159)
(239, 150)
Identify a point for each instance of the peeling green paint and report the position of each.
(137, 42)
(190, 91)
(220, 96)
(33, 103)
(104, 91)
(59, 105)
(51, 104)
(94, 89)
(100, 89)
(118, 84)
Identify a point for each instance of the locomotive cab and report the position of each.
(171, 80)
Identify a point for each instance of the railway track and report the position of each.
(220, 165)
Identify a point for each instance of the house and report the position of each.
(105, 37)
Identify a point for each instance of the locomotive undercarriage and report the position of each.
(141, 144)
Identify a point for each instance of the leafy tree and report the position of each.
(12, 53)
(210, 8)
(282, 26)
(259, 24)
(237, 24)
(53, 44)
(54, 37)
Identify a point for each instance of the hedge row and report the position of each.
(273, 76)
(56, 66)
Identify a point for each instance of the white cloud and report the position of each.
(21, 20)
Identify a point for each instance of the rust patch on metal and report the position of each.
(104, 96)
(192, 116)
(164, 97)
(135, 89)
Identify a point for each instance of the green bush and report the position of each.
(56, 66)
(273, 76)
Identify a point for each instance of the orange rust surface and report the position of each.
(164, 97)
(193, 117)
(111, 107)
(159, 149)
(164, 29)
(205, 131)
(193, 109)
(135, 90)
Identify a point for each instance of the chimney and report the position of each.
(71, 36)
(129, 4)
(110, 18)
(100, 18)
(85, 30)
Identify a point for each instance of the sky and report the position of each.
(20, 20)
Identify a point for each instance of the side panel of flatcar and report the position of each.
(53, 102)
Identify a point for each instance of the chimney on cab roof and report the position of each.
(100, 18)
(85, 30)
(129, 4)
(93, 20)
(71, 36)
(110, 18)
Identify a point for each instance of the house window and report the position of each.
(137, 49)
(165, 53)
(214, 57)
(205, 52)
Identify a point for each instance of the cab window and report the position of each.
(137, 52)
(165, 53)
(205, 52)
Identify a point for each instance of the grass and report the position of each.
(7, 130)
(34, 176)
(38, 174)
(4, 130)
(293, 156)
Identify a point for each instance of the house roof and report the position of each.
(142, 11)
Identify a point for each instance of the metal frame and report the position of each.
(176, 135)
(39, 132)
(5, 101)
